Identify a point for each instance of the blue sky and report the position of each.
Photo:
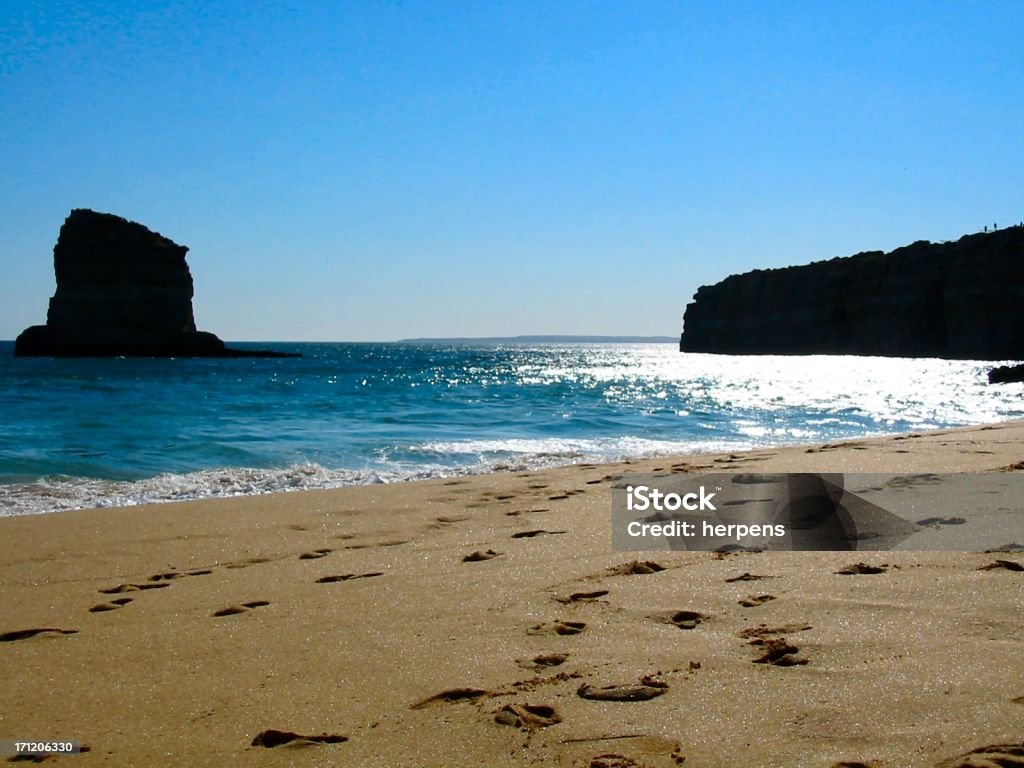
(377, 170)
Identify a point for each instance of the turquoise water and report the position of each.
(77, 433)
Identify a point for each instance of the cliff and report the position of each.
(959, 300)
(122, 290)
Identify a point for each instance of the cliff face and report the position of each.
(962, 300)
(122, 290)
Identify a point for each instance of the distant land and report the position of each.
(550, 339)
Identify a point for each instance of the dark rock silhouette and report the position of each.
(958, 300)
(122, 290)
(1006, 374)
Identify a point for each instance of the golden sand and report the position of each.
(486, 621)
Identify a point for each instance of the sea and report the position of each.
(79, 433)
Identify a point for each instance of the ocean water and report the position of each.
(84, 433)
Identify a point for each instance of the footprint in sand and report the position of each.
(612, 760)
(903, 482)
(557, 628)
(647, 689)
(25, 634)
(993, 756)
(746, 478)
(681, 619)
(862, 568)
(544, 661)
(746, 577)
(636, 568)
(777, 651)
(113, 605)
(1009, 565)
(448, 520)
(316, 554)
(389, 543)
(272, 737)
(247, 562)
(644, 748)
(120, 588)
(347, 577)
(735, 549)
(527, 716)
(232, 610)
(451, 696)
(763, 630)
(171, 575)
(479, 556)
(1005, 549)
(518, 512)
(942, 521)
(752, 601)
(582, 596)
(532, 534)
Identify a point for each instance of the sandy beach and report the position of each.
(486, 621)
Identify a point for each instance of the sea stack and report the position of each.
(956, 300)
(122, 290)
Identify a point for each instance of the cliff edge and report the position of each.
(957, 300)
(122, 290)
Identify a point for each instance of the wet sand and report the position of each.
(486, 620)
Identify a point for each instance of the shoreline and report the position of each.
(354, 612)
(224, 482)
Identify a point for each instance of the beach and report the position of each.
(525, 385)
(486, 620)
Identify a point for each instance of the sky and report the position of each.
(378, 170)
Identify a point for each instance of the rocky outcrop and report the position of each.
(960, 300)
(1006, 374)
(122, 290)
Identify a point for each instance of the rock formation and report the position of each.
(1006, 374)
(958, 300)
(122, 290)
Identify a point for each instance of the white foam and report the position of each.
(54, 494)
(64, 493)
